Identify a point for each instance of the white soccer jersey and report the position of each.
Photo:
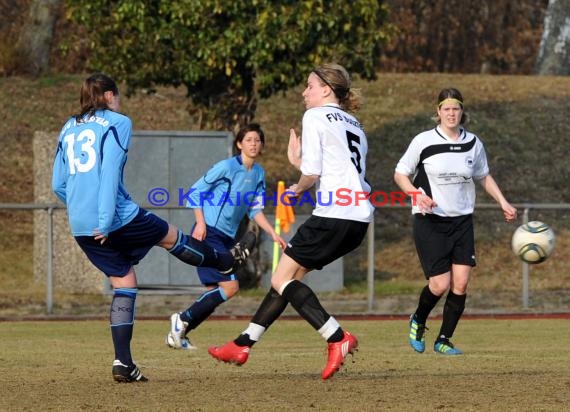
(334, 147)
(445, 169)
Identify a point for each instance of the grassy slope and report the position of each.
(521, 119)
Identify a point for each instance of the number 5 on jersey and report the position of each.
(351, 138)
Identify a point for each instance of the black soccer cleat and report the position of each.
(241, 251)
(123, 373)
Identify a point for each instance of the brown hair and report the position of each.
(92, 95)
(337, 78)
(451, 93)
(251, 127)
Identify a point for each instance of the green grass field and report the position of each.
(509, 365)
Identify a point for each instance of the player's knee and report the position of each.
(230, 289)
(460, 289)
(439, 286)
(297, 293)
(169, 241)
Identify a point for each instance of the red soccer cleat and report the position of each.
(230, 353)
(338, 351)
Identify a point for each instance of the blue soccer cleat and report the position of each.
(416, 336)
(445, 347)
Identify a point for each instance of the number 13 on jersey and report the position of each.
(85, 159)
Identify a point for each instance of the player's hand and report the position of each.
(99, 236)
(292, 191)
(279, 240)
(510, 213)
(199, 232)
(426, 204)
(294, 149)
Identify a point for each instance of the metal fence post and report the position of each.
(49, 280)
(525, 270)
(370, 273)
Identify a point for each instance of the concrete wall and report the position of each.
(166, 159)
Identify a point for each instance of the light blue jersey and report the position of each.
(227, 192)
(88, 173)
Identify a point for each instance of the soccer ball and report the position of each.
(533, 242)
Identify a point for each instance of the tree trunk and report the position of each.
(554, 52)
(35, 38)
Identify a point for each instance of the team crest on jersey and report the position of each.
(469, 162)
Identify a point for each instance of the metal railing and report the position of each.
(49, 208)
(370, 277)
(525, 271)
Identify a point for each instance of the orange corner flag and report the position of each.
(284, 213)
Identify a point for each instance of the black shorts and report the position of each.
(321, 240)
(126, 246)
(443, 241)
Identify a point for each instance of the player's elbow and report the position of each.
(400, 178)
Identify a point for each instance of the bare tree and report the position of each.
(35, 40)
(554, 52)
(464, 36)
